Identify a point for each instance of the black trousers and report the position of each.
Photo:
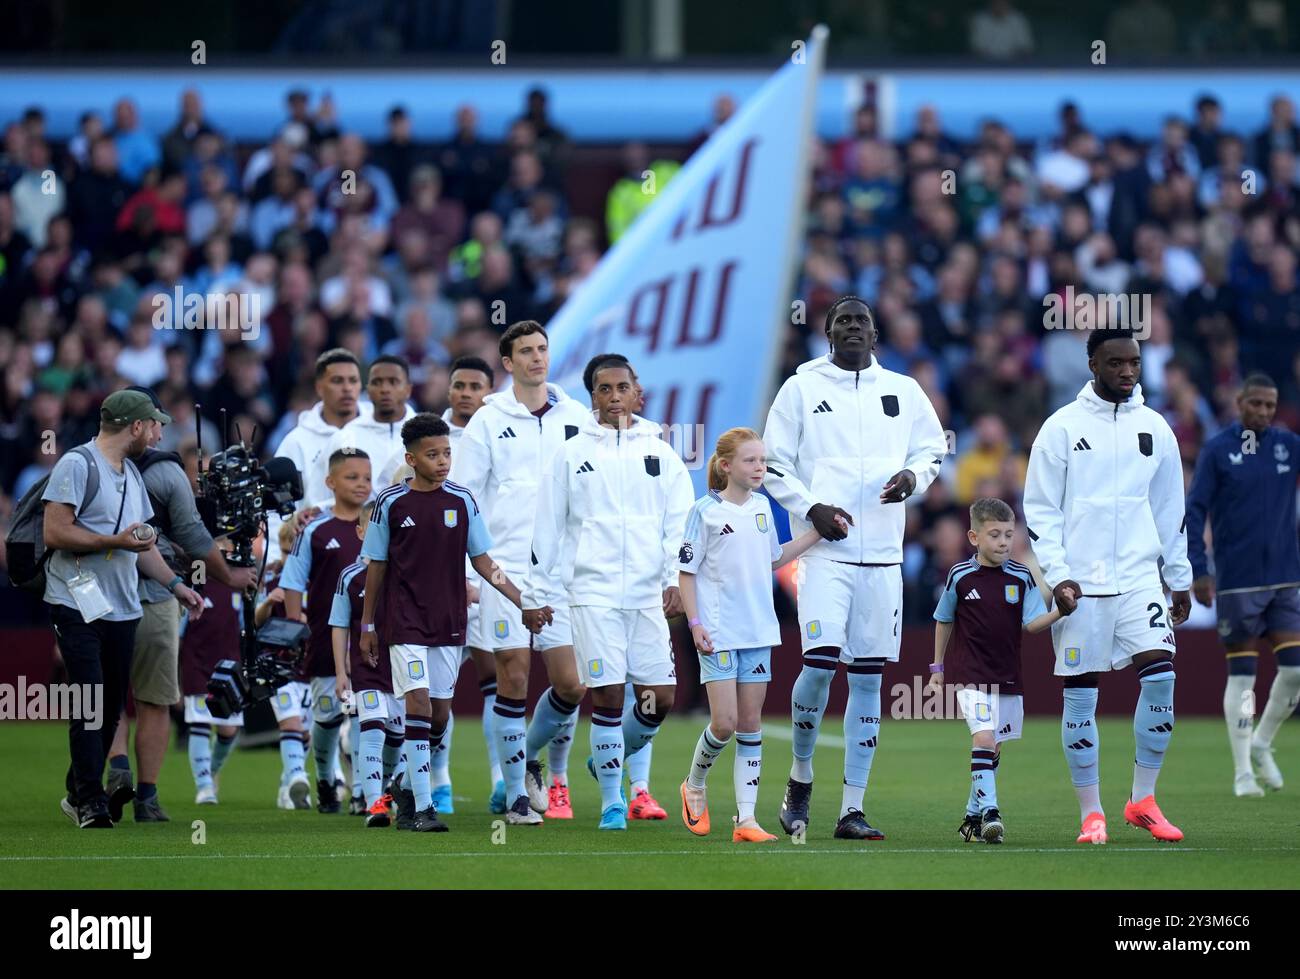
(96, 652)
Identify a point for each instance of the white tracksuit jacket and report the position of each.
(610, 519)
(1104, 497)
(381, 441)
(835, 436)
(501, 457)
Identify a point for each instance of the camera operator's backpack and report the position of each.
(161, 519)
(25, 551)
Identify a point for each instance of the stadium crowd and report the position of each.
(430, 251)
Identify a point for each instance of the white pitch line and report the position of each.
(785, 734)
(790, 850)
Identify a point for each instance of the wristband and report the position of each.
(936, 667)
(171, 585)
(367, 627)
(692, 623)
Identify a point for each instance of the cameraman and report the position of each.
(92, 582)
(154, 681)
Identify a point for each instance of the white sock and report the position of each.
(707, 749)
(1144, 782)
(747, 771)
(852, 798)
(1281, 704)
(801, 770)
(1089, 797)
(1239, 713)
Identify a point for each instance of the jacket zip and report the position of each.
(1114, 540)
(622, 516)
(862, 474)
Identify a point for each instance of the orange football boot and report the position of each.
(644, 807)
(750, 832)
(1145, 814)
(1094, 829)
(697, 823)
(559, 807)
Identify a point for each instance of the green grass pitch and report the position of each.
(918, 790)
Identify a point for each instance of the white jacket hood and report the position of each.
(506, 402)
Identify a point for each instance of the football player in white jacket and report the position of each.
(610, 518)
(847, 441)
(500, 459)
(1104, 507)
(377, 430)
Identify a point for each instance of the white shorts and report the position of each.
(475, 635)
(432, 668)
(325, 704)
(196, 712)
(375, 705)
(613, 646)
(987, 710)
(292, 700)
(856, 609)
(501, 625)
(1106, 633)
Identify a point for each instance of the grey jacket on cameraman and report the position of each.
(187, 539)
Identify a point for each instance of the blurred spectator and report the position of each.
(551, 143)
(137, 149)
(641, 183)
(441, 219)
(1281, 133)
(724, 107)
(1000, 32)
(399, 155)
(984, 458)
(178, 142)
(97, 196)
(467, 164)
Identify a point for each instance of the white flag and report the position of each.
(697, 293)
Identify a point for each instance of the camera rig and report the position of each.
(236, 492)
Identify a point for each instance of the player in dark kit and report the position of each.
(1246, 484)
(416, 542)
(207, 641)
(984, 605)
(325, 547)
(370, 689)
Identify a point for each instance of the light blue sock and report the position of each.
(638, 768)
(861, 732)
(221, 751)
(488, 688)
(1153, 725)
(201, 754)
(639, 728)
(553, 717)
(441, 774)
(812, 689)
(983, 780)
(293, 756)
(557, 752)
(972, 803)
(354, 739)
(325, 747)
(416, 755)
(512, 736)
(372, 746)
(1079, 736)
(607, 754)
